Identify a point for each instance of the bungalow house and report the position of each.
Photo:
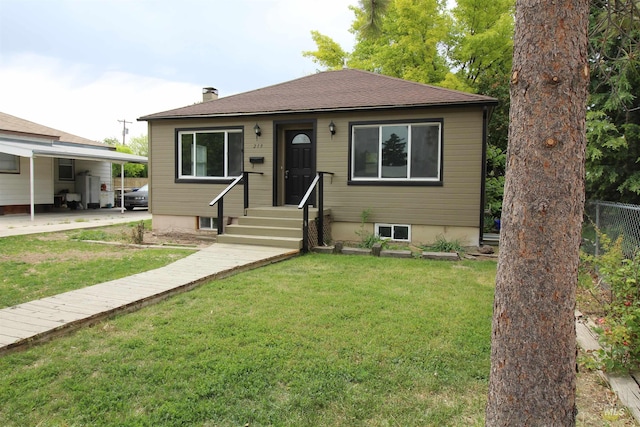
(42, 168)
(399, 159)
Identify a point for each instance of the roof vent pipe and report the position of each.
(209, 94)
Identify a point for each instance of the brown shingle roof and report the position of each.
(16, 125)
(345, 89)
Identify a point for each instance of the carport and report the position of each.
(62, 150)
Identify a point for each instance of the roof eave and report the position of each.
(480, 102)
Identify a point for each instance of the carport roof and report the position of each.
(66, 151)
(23, 138)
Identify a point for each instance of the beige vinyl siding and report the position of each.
(169, 197)
(455, 203)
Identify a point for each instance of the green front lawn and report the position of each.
(319, 340)
(42, 265)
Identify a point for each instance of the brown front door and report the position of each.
(299, 164)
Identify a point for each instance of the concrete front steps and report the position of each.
(279, 226)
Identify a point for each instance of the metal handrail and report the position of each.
(219, 200)
(312, 186)
(304, 204)
(226, 190)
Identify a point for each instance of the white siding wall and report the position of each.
(101, 169)
(14, 188)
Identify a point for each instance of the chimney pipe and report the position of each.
(209, 94)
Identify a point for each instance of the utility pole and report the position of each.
(124, 129)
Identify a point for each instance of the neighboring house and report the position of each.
(409, 154)
(42, 168)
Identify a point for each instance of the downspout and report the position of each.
(32, 188)
(485, 120)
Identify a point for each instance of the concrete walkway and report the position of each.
(14, 225)
(43, 319)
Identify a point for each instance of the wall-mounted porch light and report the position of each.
(257, 130)
(332, 128)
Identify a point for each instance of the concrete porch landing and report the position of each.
(41, 320)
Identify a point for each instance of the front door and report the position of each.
(299, 164)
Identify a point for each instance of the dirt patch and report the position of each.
(37, 258)
(179, 239)
(127, 234)
(598, 405)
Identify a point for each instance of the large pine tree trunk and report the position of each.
(533, 345)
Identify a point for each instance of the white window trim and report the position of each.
(72, 165)
(379, 178)
(194, 163)
(212, 221)
(393, 226)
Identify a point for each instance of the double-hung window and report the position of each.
(210, 154)
(397, 152)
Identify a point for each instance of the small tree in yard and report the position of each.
(533, 346)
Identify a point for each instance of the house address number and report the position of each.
(257, 145)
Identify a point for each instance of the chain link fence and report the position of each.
(613, 220)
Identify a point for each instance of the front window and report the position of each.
(396, 152)
(210, 154)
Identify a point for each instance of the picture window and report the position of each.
(210, 154)
(396, 152)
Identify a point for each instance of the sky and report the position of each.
(83, 66)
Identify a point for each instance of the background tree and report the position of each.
(329, 53)
(480, 47)
(533, 347)
(468, 48)
(406, 44)
(613, 150)
(139, 146)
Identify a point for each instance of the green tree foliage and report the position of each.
(613, 151)
(329, 54)
(138, 146)
(408, 42)
(480, 44)
(468, 48)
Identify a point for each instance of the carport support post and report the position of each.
(31, 188)
(121, 187)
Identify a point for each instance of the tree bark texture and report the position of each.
(533, 343)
